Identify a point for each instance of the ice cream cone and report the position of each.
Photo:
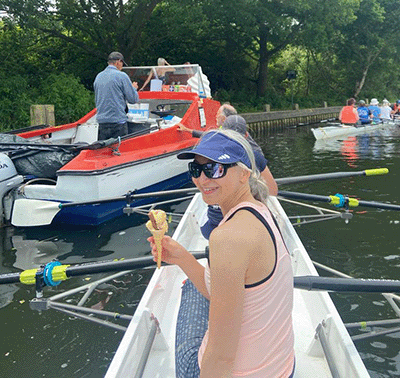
(158, 226)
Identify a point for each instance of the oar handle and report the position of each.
(62, 272)
(346, 284)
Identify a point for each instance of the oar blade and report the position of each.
(30, 212)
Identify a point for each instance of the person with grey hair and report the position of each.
(238, 123)
(224, 111)
(113, 89)
(227, 324)
(159, 72)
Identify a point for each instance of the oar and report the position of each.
(329, 176)
(315, 283)
(54, 274)
(31, 212)
(42, 212)
(338, 200)
(62, 272)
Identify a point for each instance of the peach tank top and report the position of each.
(266, 344)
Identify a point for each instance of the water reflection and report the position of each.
(381, 144)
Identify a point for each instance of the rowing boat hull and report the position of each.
(328, 132)
(161, 300)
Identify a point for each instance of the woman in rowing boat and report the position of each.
(213, 215)
(248, 278)
(349, 115)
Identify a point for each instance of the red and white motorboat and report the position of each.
(90, 171)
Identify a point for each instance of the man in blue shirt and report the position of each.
(113, 89)
(375, 111)
(364, 113)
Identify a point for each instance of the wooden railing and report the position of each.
(265, 122)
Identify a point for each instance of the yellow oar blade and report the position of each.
(30, 212)
(376, 172)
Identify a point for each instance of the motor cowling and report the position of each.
(9, 179)
(7, 168)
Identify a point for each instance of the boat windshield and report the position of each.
(179, 78)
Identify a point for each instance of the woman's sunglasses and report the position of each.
(211, 170)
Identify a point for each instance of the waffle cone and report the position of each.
(158, 235)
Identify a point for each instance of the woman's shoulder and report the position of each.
(242, 223)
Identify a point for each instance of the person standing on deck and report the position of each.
(349, 115)
(364, 113)
(113, 89)
(248, 280)
(375, 110)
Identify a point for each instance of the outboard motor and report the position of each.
(9, 179)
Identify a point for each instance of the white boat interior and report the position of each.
(323, 346)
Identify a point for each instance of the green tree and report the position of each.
(70, 98)
(263, 29)
(30, 74)
(368, 46)
(97, 27)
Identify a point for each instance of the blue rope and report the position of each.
(48, 273)
(342, 200)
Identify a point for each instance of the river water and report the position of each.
(53, 344)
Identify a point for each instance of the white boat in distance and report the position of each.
(323, 346)
(340, 130)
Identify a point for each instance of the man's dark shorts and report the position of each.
(112, 130)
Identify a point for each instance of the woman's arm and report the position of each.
(147, 80)
(229, 256)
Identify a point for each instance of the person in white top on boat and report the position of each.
(248, 280)
(158, 73)
(386, 111)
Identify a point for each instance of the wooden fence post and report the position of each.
(42, 115)
(267, 107)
